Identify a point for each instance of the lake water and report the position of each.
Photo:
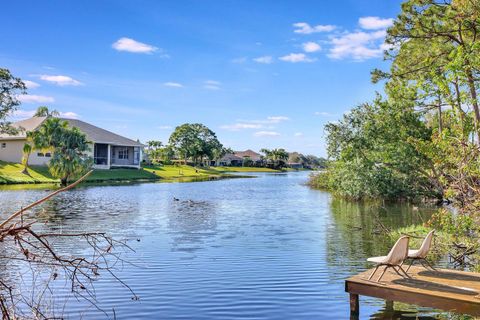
(263, 248)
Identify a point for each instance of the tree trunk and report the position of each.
(473, 94)
(440, 123)
(25, 167)
(459, 106)
(64, 181)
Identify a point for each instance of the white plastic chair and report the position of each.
(395, 258)
(422, 253)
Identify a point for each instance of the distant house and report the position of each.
(239, 157)
(249, 154)
(295, 165)
(108, 149)
(230, 159)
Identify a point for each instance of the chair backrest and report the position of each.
(399, 251)
(426, 244)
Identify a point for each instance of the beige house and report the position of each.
(238, 157)
(107, 148)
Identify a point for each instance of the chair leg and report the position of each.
(401, 275)
(428, 263)
(405, 272)
(376, 268)
(386, 267)
(411, 263)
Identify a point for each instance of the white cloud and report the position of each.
(211, 85)
(305, 28)
(69, 115)
(298, 134)
(25, 114)
(277, 119)
(296, 57)
(60, 80)
(173, 84)
(311, 47)
(374, 23)
(22, 114)
(164, 127)
(31, 98)
(255, 124)
(130, 45)
(266, 134)
(31, 84)
(358, 45)
(241, 126)
(264, 59)
(321, 113)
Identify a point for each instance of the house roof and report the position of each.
(100, 135)
(24, 126)
(230, 157)
(93, 133)
(248, 153)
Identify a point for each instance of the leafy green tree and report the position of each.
(435, 54)
(375, 155)
(10, 87)
(195, 141)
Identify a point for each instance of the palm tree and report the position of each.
(43, 111)
(279, 157)
(70, 155)
(276, 156)
(27, 150)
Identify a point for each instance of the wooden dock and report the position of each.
(449, 290)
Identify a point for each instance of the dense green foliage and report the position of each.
(10, 87)
(374, 153)
(275, 158)
(422, 140)
(196, 142)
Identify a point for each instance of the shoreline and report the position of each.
(11, 174)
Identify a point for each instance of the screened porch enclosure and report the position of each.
(125, 156)
(107, 155)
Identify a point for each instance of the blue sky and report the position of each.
(258, 73)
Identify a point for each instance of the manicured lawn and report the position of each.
(243, 169)
(171, 172)
(11, 173)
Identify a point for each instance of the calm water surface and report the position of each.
(264, 248)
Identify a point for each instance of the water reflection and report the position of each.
(190, 222)
(264, 248)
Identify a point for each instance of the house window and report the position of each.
(48, 154)
(123, 153)
(4, 145)
(40, 154)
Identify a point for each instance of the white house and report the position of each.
(108, 149)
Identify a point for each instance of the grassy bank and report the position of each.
(11, 173)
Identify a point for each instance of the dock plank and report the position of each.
(449, 290)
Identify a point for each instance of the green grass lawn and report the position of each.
(11, 173)
(243, 169)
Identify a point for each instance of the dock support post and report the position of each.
(388, 305)
(354, 306)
